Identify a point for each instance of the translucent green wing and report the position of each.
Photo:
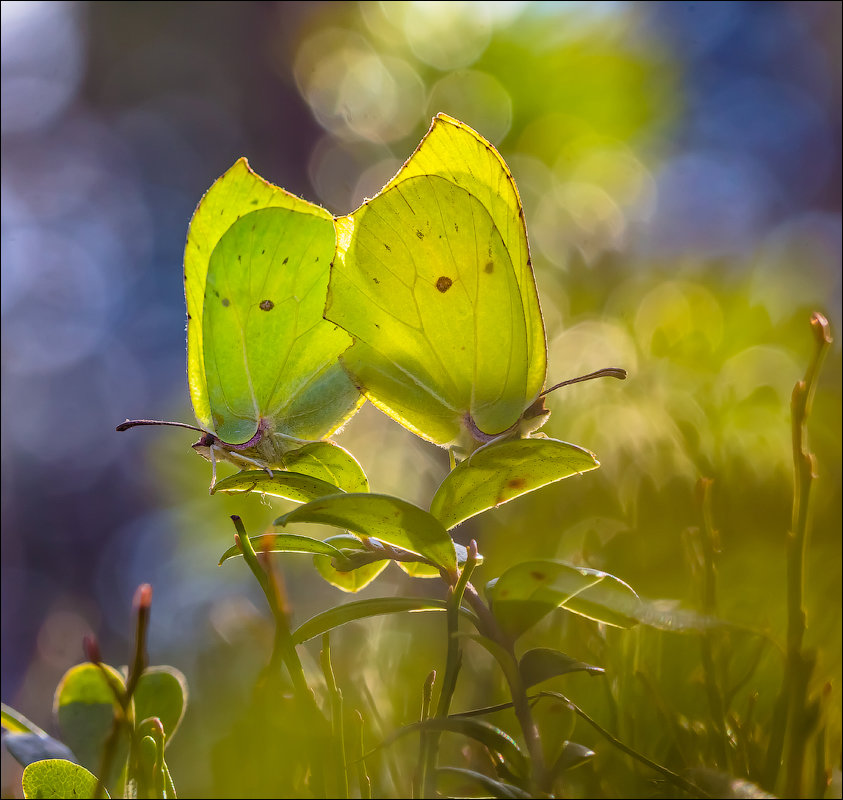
(256, 276)
(433, 279)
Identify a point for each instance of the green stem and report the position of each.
(798, 667)
(488, 626)
(338, 728)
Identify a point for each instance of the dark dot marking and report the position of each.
(285, 260)
(263, 252)
(267, 305)
(377, 326)
(489, 268)
(226, 301)
(387, 247)
(456, 228)
(254, 202)
(189, 317)
(376, 280)
(316, 259)
(240, 259)
(444, 283)
(539, 576)
(420, 234)
(516, 483)
(216, 293)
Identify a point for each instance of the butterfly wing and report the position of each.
(433, 279)
(256, 277)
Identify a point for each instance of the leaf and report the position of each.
(27, 748)
(451, 781)
(330, 463)
(85, 708)
(433, 279)
(542, 663)
(349, 580)
(527, 592)
(417, 569)
(503, 471)
(15, 722)
(56, 778)
(498, 742)
(384, 517)
(161, 692)
(289, 485)
(572, 755)
(284, 543)
(361, 609)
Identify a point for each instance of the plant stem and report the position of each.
(540, 777)
(799, 665)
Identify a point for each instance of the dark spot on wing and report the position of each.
(316, 259)
(539, 576)
(489, 268)
(216, 293)
(189, 317)
(444, 283)
(375, 280)
(267, 305)
(516, 483)
(456, 228)
(387, 247)
(225, 301)
(263, 252)
(240, 258)
(286, 259)
(420, 234)
(254, 202)
(377, 326)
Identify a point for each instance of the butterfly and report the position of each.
(262, 362)
(433, 279)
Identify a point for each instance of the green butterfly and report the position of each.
(262, 362)
(433, 279)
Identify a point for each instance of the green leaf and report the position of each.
(328, 462)
(527, 592)
(85, 708)
(15, 722)
(161, 692)
(417, 569)
(542, 663)
(349, 580)
(384, 517)
(502, 746)
(284, 543)
(289, 485)
(433, 279)
(452, 782)
(56, 778)
(361, 609)
(572, 755)
(503, 471)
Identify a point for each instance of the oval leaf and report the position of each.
(328, 462)
(85, 708)
(161, 692)
(285, 543)
(527, 592)
(349, 580)
(390, 519)
(58, 778)
(417, 569)
(361, 609)
(497, 474)
(542, 663)
(289, 485)
(572, 755)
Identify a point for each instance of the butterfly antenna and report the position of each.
(133, 423)
(608, 372)
(213, 470)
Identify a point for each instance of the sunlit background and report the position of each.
(680, 169)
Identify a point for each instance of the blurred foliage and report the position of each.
(680, 183)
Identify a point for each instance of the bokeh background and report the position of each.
(680, 169)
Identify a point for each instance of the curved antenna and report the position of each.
(607, 372)
(132, 423)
